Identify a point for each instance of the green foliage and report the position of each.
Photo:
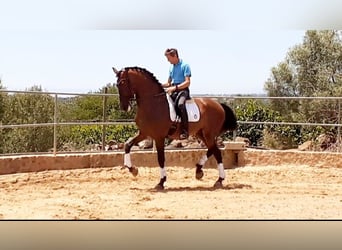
(254, 111)
(39, 108)
(309, 68)
(281, 137)
(3, 103)
(27, 109)
(90, 108)
(121, 133)
(313, 68)
(81, 137)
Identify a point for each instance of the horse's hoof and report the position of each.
(199, 171)
(199, 174)
(218, 184)
(159, 186)
(134, 171)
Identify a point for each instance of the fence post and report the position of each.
(55, 127)
(104, 119)
(339, 122)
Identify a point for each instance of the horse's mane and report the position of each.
(145, 72)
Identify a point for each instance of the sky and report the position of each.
(231, 46)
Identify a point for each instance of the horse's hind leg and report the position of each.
(161, 160)
(204, 158)
(127, 157)
(213, 149)
(222, 174)
(200, 164)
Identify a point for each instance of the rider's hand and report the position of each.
(171, 89)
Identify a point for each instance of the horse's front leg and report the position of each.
(127, 157)
(161, 160)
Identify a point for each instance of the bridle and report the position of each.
(123, 81)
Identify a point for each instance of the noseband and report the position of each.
(124, 82)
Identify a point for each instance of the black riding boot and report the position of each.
(184, 122)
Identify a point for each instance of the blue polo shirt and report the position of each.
(179, 71)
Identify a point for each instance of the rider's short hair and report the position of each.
(171, 51)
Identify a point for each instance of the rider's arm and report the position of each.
(184, 84)
(168, 84)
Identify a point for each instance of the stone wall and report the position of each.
(184, 158)
(43, 162)
(290, 157)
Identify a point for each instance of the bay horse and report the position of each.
(153, 120)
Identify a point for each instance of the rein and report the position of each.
(147, 98)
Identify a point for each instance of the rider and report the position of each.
(178, 86)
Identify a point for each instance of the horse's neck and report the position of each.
(151, 102)
(148, 92)
(146, 88)
(150, 95)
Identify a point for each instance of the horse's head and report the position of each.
(126, 93)
(136, 83)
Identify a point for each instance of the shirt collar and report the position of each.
(179, 62)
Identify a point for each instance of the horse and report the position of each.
(153, 120)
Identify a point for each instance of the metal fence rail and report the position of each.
(32, 125)
(105, 123)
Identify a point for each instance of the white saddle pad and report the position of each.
(191, 108)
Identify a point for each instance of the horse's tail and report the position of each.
(230, 122)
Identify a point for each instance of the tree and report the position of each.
(3, 97)
(310, 68)
(28, 109)
(254, 110)
(313, 68)
(2, 102)
(90, 108)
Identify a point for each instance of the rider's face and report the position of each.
(172, 59)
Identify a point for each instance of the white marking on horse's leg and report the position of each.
(127, 160)
(220, 167)
(203, 160)
(162, 172)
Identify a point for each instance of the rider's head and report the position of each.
(172, 55)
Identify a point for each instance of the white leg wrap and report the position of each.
(127, 160)
(162, 172)
(203, 160)
(222, 174)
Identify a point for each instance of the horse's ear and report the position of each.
(115, 70)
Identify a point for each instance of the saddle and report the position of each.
(191, 108)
